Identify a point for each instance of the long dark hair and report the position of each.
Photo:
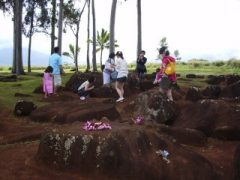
(120, 54)
(111, 55)
(91, 79)
(49, 69)
(164, 50)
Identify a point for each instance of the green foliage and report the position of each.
(218, 63)
(234, 63)
(163, 42)
(36, 18)
(38, 68)
(71, 54)
(102, 42)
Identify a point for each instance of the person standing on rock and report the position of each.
(166, 79)
(141, 68)
(55, 61)
(108, 69)
(122, 70)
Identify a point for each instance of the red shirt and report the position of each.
(165, 61)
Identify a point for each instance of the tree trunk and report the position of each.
(17, 49)
(60, 26)
(88, 37)
(139, 20)
(112, 27)
(94, 59)
(30, 42)
(53, 22)
(76, 48)
(29, 53)
(101, 52)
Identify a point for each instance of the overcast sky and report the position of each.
(197, 28)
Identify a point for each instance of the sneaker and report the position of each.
(82, 98)
(120, 99)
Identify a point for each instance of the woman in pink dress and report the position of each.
(48, 81)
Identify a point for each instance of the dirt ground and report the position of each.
(20, 138)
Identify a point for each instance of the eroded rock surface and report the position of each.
(154, 106)
(75, 110)
(125, 152)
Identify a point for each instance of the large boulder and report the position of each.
(105, 92)
(213, 91)
(78, 78)
(24, 108)
(11, 78)
(154, 106)
(237, 163)
(125, 152)
(216, 118)
(130, 87)
(76, 110)
(193, 94)
(230, 79)
(184, 135)
(215, 80)
(232, 90)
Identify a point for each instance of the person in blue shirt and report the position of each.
(55, 61)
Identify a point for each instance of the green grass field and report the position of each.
(26, 84)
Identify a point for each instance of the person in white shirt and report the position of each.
(85, 87)
(108, 69)
(122, 69)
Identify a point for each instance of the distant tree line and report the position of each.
(45, 16)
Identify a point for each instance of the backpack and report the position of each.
(170, 68)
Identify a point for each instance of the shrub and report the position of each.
(196, 64)
(218, 63)
(234, 63)
(38, 68)
(182, 63)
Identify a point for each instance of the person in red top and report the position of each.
(166, 82)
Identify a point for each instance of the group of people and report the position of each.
(119, 66)
(115, 71)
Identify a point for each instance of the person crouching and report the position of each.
(86, 87)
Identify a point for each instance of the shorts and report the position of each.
(122, 79)
(165, 83)
(57, 80)
(82, 92)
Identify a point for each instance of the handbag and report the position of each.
(170, 68)
(114, 75)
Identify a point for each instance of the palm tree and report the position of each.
(17, 67)
(176, 54)
(139, 21)
(112, 25)
(94, 61)
(163, 42)
(16, 7)
(53, 23)
(73, 16)
(88, 36)
(102, 42)
(60, 26)
(72, 53)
